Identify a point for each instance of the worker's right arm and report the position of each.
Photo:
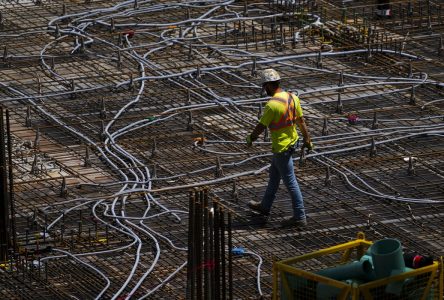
(265, 120)
(257, 131)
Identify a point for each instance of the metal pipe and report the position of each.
(206, 254)
(207, 246)
(216, 251)
(4, 208)
(190, 273)
(211, 254)
(230, 258)
(198, 243)
(11, 184)
(223, 252)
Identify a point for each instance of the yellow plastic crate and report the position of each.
(290, 281)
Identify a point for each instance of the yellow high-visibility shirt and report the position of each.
(283, 138)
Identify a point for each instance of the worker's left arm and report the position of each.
(300, 122)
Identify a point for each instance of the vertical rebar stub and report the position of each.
(190, 51)
(327, 181)
(234, 191)
(28, 119)
(198, 73)
(82, 45)
(412, 96)
(39, 85)
(190, 124)
(369, 52)
(441, 46)
(63, 9)
(52, 63)
(325, 127)
(154, 151)
(411, 169)
(37, 139)
(73, 89)
(218, 171)
(102, 132)
(188, 97)
(341, 80)
(64, 188)
(34, 167)
(319, 60)
(120, 39)
(87, 162)
(5, 53)
(57, 31)
(131, 83)
(119, 60)
(102, 108)
(154, 171)
(339, 107)
(373, 150)
(253, 68)
(375, 123)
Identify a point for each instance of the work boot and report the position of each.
(257, 207)
(293, 222)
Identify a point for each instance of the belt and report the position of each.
(290, 149)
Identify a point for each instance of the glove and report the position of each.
(308, 145)
(249, 141)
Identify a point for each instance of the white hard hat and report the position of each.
(268, 75)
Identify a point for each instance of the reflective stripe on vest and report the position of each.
(288, 117)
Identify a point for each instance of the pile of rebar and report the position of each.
(210, 257)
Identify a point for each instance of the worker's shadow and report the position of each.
(251, 220)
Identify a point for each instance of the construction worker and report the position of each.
(282, 112)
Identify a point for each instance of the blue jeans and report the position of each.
(282, 168)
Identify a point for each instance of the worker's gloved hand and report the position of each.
(249, 140)
(308, 145)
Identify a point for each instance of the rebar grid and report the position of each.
(118, 109)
